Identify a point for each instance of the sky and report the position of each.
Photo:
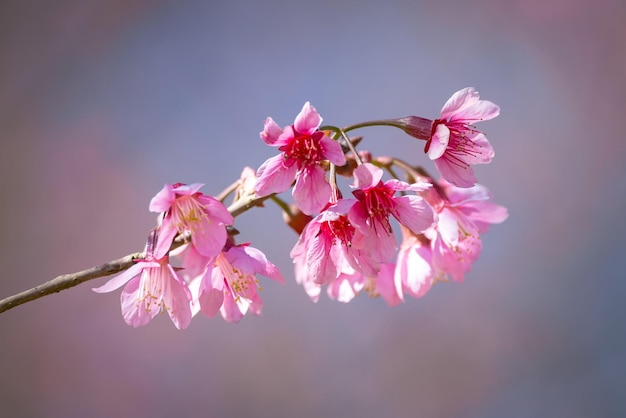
(103, 102)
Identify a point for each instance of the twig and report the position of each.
(66, 281)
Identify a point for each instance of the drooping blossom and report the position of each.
(455, 144)
(230, 285)
(303, 147)
(462, 215)
(186, 210)
(329, 246)
(452, 141)
(377, 201)
(152, 286)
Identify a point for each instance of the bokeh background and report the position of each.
(102, 102)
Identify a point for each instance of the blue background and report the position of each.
(102, 102)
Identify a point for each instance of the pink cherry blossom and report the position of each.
(376, 202)
(153, 286)
(186, 210)
(230, 285)
(462, 215)
(455, 144)
(328, 247)
(302, 148)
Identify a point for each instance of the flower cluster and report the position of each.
(390, 238)
(216, 275)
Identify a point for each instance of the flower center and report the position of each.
(189, 214)
(241, 284)
(339, 230)
(378, 203)
(303, 149)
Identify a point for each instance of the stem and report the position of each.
(382, 122)
(66, 281)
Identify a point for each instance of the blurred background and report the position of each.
(102, 102)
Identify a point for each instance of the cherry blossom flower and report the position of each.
(325, 248)
(451, 246)
(455, 144)
(186, 210)
(230, 285)
(152, 286)
(302, 148)
(376, 201)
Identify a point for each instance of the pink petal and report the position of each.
(448, 227)
(331, 150)
(414, 213)
(461, 176)
(167, 232)
(163, 200)
(439, 142)
(274, 176)
(308, 120)
(388, 286)
(210, 238)
(367, 175)
(271, 131)
(135, 312)
(480, 151)
(230, 310)
(177, 300)
(124, 277)
(460, 100)
(312, 191)
(211, 301)
(187, 189)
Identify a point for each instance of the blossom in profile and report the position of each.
(452, 141)
(303, 147)
(377, 201)
(186, 210)
(453, 244)
(455, 144)
(152, 286)
(230, 285)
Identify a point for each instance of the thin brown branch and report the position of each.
(67, 281)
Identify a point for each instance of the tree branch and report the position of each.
(66, 281)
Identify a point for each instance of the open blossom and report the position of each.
(455, 144)
(452, 141)
(329, 246)
(377, 201)
(302, 148)
(186, 210)
(451, 246)
(152, 286)
(230, 286)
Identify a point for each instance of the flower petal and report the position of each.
(438, 142)
(124, 277)
(331, 150)
(271, 131)
(274, 176)
(308, 120)
(312, 191)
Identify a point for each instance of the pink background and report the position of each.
(101, 102)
